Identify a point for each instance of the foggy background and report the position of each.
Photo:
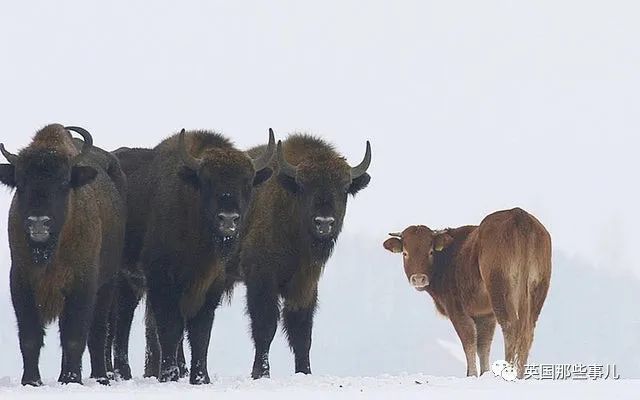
(470, 107)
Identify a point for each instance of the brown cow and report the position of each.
(476, 274)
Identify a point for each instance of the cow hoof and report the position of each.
(171, 374)
(31, 382)
(199, 378)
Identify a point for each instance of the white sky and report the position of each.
(470, 106)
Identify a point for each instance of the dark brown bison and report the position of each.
(188, 200)
(476, 274)
(292, 226)
(66, 231)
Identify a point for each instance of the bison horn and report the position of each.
(283, 164)
(189, 160)
(263, 161)
(361, 168)
(88, 141)
(396, 234)
(12, 158)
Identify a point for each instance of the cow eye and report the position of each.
(404, 254)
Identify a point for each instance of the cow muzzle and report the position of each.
(38, 228)
(419, 281)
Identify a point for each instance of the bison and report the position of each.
(66, 232)
(187, 201)
(476, 274)
(292, 227)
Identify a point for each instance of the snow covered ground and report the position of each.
(415, 386)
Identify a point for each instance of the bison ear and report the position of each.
(189, 176)
(8, 175)
(262, 176)
(81, 175)
(442, 241)
(393, 245)
(359, 183)
(289, 183)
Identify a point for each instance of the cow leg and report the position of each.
(74, 330)
(485, 328)
(98, 333)
(30, 330)
(199, 330)
(169, 324)
(298, 325)
(262, 304)
(128, 300)
(466, 330)
(152, 347)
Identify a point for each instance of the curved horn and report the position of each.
(189, 160)
(361, 168)
(12, 158)
(396, 234)
(283, 164)
(261, 162)
(88, 141)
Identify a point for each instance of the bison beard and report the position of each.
(70, 277)
(283, 249)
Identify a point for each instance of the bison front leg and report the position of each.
(298, 325)
(128, 298)
(75, 321)
(169, 324)
(466, 330)
(30, 330)
(98, 334)
(199, 330)
(262, 303)
(485, 328)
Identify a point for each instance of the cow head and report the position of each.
(322, 184)
(419, 246)
(225, 178)
(43, 178)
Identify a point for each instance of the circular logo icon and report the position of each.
(504, 370)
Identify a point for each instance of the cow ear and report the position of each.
(442, 241)
(359, 183)
(262, 176)
(289, 183)
(8, 175)
(393, 245)
(189, 176)
(82, 175)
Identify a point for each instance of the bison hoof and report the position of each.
(123, 373)
(261, 374)
(184, 371)
(199, 378)
(103, 381)
(31, 382)
(70, 377)
(171, 374)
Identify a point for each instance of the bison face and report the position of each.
(224, 179)
(418, 245)
(43, 179)
(322, 185)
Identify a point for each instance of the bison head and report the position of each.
(321, 184)
(43, 178)
(418, 245)
(225, 178)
